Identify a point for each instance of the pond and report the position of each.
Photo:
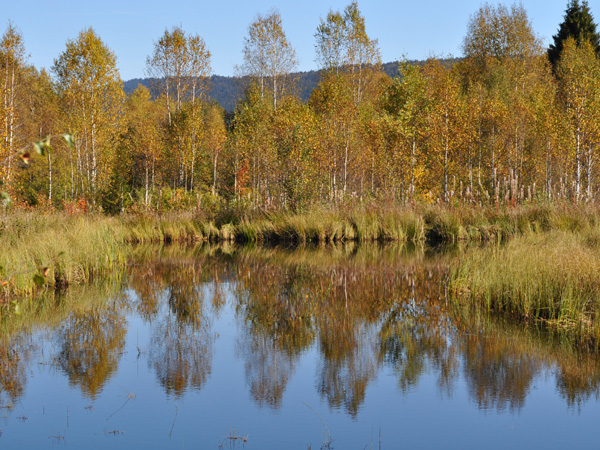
(346, 347)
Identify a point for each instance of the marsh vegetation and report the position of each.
(535, 262)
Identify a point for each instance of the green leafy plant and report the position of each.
(42, 148)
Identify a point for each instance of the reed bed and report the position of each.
(60, 249)
(71, 248)
(552, 277)
(432, 224)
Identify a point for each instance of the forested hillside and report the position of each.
(227, 91)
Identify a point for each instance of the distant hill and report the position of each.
(227, 91)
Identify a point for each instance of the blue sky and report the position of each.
(412, 29)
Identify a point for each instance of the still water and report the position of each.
(332, 347)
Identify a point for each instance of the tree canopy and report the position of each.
(497, 126)
(268, 55)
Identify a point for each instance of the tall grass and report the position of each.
(336, 225)
(74, 248)
(416, 223)
(66, 249)
(553, 277)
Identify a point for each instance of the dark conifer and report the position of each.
(579, 24)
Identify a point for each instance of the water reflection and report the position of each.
(502, 359)
(413, 343)
(181, 346)
(14, 358)
(366, 312)
(267, 366)
(276, 326)
(346, 370)
(90, 346)
(66, 320)
(181, 353)
(347, 306)
(497, 377)
(578, 379)
(361, 309)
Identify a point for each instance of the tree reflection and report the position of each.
(181, 353)
(277, 327)
(578, 378)
(170, 294)
(268, 368)
(174, 274)
(181, 343)
(354, 311)
(416, 336)
(146, 282)
(14, 357)
(90, 346)
(414, 349)
(367, 311)
(501, 360)
(497, 376)
(362, 308)
(345, 370)
(349, 304)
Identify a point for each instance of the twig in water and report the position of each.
(327, 440)
(234, 437)
(57, 437)
(113, 432)
(121, 407)
(174, 419)
(371, 444)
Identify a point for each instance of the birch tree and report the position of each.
(182, 65)
(12, 64)
(342, 45)
(268, 55)
(406, 108)
(215, 138)
(92, 98)
(578, 73)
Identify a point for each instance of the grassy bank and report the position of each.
(58, 249)
(431, 224)
(553, 278)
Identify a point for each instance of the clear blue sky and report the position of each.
(414, 29)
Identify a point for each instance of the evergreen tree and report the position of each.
(578, 24)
